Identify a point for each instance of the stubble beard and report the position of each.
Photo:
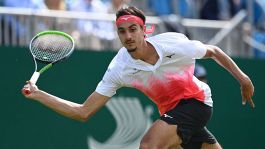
(132, 50)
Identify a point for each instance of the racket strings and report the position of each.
(51, 47)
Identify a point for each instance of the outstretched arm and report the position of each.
(80, 112)
(247, 88)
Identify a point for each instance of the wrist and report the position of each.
(244, 79)
(36, 95)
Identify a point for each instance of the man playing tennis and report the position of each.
(161, 67)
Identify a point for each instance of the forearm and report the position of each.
(61, 106)
(66, 108)
(246, 86)
(225, 61)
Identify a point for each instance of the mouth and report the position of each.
(129, 43)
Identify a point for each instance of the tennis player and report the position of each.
(162, 67)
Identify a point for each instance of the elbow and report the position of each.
(84, 116)
(82, 120)
(212, 51)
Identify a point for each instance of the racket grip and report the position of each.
(34, 78)
(26, 91)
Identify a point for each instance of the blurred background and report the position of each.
(236, 26)
(91, 22)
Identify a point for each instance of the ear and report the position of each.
(144, 28)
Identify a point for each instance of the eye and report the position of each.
(121, 31)
(133, 29)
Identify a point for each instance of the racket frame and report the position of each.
(36, 74)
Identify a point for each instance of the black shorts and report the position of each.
(191, 116)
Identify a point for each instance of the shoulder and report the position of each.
(169, 36)
(119, 61)
(180, 44)
(113, 74)
(169, 39)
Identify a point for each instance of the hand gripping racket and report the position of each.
(49, 47)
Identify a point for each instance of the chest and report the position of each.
(147, 74)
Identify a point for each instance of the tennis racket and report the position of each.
(49, 47)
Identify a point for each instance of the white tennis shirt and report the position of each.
(165, 83)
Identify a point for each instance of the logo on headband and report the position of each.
(136, 19)
(129, 18)
(126, 18)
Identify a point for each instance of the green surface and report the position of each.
(27, 124)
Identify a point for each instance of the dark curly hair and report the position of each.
(131, 10)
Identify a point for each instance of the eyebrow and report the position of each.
(133, 25)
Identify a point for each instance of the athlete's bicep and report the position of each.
(93, 103)
(214, 52)
(210, 51)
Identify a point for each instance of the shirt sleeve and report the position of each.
(109, 84)
(190, 48)
(196, 49)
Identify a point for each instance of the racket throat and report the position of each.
(45, 68)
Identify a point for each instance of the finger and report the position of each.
(27, 86)
(29, 82)
(251, 103)
(244, 101)
(26, 89)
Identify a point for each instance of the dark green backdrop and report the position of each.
(28, 125)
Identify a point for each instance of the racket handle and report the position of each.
(26, 91)
(34, 78)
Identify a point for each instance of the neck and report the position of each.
(146, 52)
(141, 51)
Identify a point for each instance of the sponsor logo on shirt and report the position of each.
(136, 71)
(170, 56)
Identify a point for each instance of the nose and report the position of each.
(128, 36)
